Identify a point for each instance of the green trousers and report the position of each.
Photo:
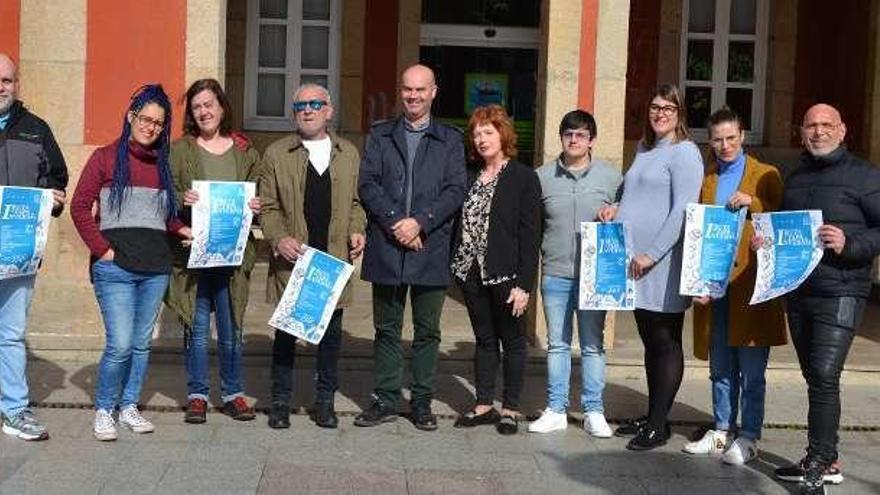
(389, 302)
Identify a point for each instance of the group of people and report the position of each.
(428, 207)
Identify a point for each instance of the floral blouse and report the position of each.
(475, 233)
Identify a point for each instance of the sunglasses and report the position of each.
(300, 106)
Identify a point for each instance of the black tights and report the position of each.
(664, 361)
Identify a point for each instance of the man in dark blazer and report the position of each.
(412, 184)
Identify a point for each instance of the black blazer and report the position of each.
(514, 224)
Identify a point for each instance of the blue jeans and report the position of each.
(15, 299)
(213, 292)
(129, 304)
(560, 304)
(737, 375)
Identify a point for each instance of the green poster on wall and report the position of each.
(484, 89)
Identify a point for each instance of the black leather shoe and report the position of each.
(423, 418)
(649, 438)
(631, 427)
(471, 419)
(279, 416)
(325, 416)
(507, 425)
(375, 415)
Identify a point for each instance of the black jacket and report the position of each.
(29, 155)
(514, 234)
(847, 190)
(438, 190)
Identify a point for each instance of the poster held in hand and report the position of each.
(310, 298)
(605, 280)
(711, 239)
(790, 252)
(25, 214)
(221, 222)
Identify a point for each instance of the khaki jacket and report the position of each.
(749, 326)
(185, 168)
(282, 190)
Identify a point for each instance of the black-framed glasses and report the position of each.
(571, 135)
(300, 106)
(666, 110)
(147, 123)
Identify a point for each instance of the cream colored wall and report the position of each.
(612, 45)
(205, 40)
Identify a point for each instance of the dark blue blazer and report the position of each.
(438, 191)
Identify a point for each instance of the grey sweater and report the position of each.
(656, 189)
(567, 199)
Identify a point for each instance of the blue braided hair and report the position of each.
(150, 93)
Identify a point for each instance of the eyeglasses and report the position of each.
(300, 106)
(579, 135)
(665, 110)
(821, 127)
(145, 122)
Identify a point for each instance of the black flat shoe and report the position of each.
(471, 419)
(649, 438)
(507, 425)
(325, 416)
(279, 416)
(631, 427)
(422, 417)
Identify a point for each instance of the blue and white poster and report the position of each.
(25, 214)
(711, 238)
(308, 302)
(221, 222)
(605, 281)
(790, 252)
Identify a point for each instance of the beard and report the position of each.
(6, 104)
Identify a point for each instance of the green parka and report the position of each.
(185, 168)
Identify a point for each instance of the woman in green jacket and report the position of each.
(209, 150)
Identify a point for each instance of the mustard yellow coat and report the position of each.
(749, 326)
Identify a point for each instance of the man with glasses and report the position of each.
(29, 157)
(309, 193)
(824, 312)
(412, 183)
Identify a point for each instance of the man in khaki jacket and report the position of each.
(309, 192)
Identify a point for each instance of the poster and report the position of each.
(791, 251)
(25, 214)
(484, 89)
(711, 238)
(221, 222)
(605, 281)
(308, 302)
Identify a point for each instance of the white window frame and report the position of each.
(721, 41)
(293, 59)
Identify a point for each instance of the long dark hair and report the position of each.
(151, 93)
(190, 126)
(668, 92)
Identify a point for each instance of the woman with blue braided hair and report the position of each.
(124, 208)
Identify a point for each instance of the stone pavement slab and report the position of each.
(249, 458)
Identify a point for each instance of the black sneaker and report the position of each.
(508, 425)
(813, 483)
(423, 418)
(649, 438)
(631, 427)
(375, 415)
(238, 409)
(196, 411)
(279, 416)
(795, 473)
(325, 415)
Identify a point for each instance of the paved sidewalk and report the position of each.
(228, 457)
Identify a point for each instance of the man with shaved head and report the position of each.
(412, 183)
(29, 157)
(824, 312)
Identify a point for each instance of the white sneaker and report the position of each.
(549, 421)
(595, 424)
(714, 442)
(104, 426)
(741, 451)
(131, 418)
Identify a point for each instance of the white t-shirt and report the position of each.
(319, 153)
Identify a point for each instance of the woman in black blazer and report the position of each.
(495, 262)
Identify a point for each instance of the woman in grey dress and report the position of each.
(665, 176)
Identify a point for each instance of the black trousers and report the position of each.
(664, 360)
(493, 324)
(326, 370)
(822, 330)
